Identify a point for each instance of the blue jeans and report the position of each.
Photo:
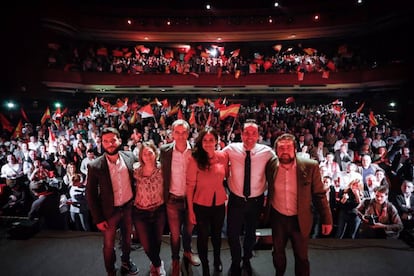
(149, 226)
(122, 218)
(178, 222)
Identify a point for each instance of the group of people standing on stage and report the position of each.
(188, 187)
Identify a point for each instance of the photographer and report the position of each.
(379, 217)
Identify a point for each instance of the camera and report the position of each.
(372, 219)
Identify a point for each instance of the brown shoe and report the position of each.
(175, 268)
(192, 258)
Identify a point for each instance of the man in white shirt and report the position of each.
(243, 210)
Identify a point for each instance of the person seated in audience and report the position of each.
(369, 188)
(330, 164)
(45, 208)
(405, 206)
(345, 177)
(19, 201)
(348, 219)
(343, 156)
(380, 218)
(12, 171)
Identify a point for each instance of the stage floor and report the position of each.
(49, 253)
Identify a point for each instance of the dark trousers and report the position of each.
(178, 223)
(210, 219)
(286, 228)
(242, 215)
(149, 225)
(121, 218)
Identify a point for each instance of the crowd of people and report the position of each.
(301, 171)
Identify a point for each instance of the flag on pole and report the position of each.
(359, 110)
(45, 116)
(232, 111)
(372, 120)
(6, 123)
(192, 120)
(146, 111)
(18, 131)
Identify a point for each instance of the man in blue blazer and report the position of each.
(110, 193)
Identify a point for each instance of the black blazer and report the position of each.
(99, 192)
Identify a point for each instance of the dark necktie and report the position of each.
(246, 187)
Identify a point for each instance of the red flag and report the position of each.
(102, 52)
(18, 130)
(360, 108)
(235, 53)
(267, 65)
(146, 111)
(173, 111)
(180, 115)
(87, 112)
(117, 53)
(164, 103)
(331, 65)
(192, 120)
(372, 120)
(232, 111)
(24, 115)
(218, 104)
(274, 105)
(290, 100)
(45, 116)
(6, 123)
(325, 74)
(301, 75)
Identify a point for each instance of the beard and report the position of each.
(286, 159)
(113, 151)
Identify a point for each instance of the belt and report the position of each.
(127, 204)
(174, 197)
(244, 198)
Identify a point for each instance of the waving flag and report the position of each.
(146, 111)
(45, 116)
(372, 120)
(6, 123)
(232, 111)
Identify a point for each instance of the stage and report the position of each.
(48, 253)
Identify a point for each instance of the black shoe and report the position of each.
(247, 267)
(235, 270)
(129, 268)
(218, 266)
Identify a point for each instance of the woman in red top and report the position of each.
(206, 195)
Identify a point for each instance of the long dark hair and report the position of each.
(199, 154)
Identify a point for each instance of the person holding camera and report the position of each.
(379, 217)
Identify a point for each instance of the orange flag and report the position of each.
(359, 110)
(372, 120)
(232, 111)
(18, 130)
(192, 120)
(180, 115)
(45, 116)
